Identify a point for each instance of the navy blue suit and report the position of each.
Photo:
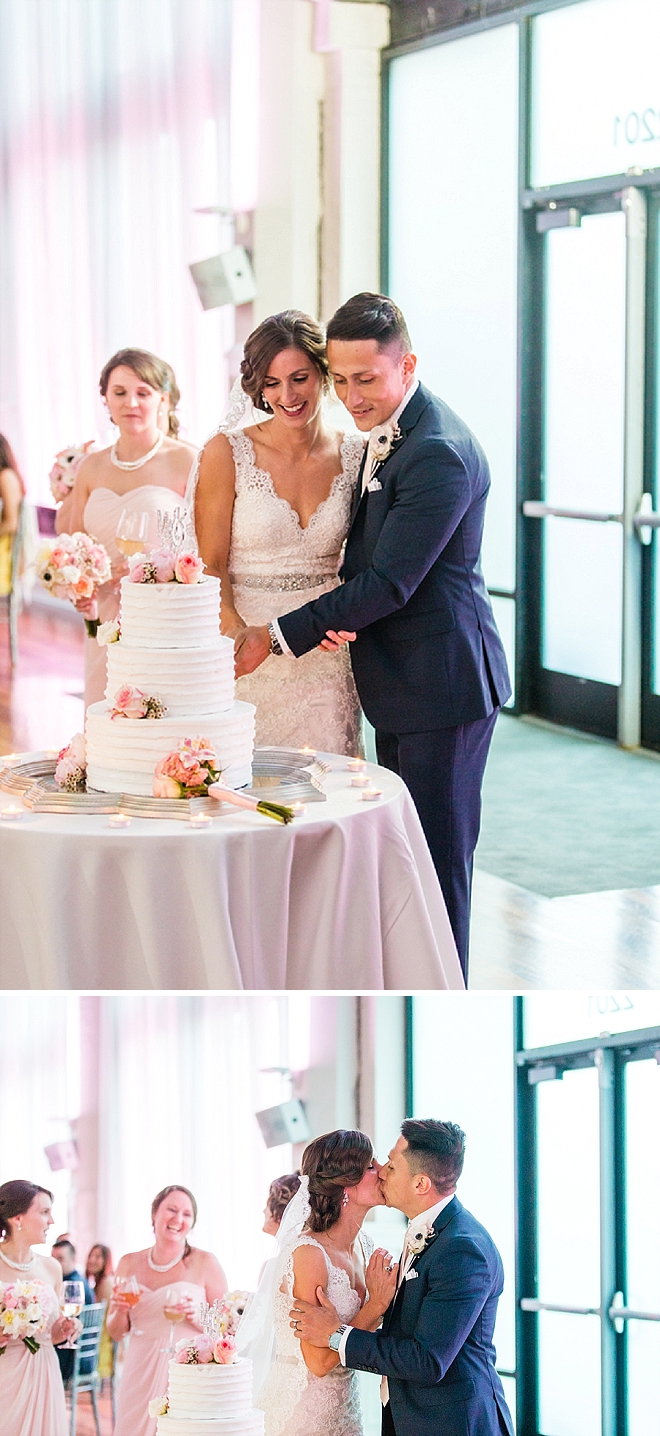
(436, 1343)
(428, 661)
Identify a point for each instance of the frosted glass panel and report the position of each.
(643, 1378)
(582, 599)
(568, 1210)
(643, 1184)
(462, 1048)
(504, 610)
(551, 1017)
(569, 1375)
(596, 107)
(453, 193)
(583, 446)
(584, 364)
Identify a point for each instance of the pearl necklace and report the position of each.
(135, 463)
(170, 1264)
(18, 1265)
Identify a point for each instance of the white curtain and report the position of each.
(115, 120)
(180, 1081)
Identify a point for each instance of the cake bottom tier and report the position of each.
(250, 1424)
(122, 753)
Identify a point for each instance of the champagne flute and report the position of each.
(128, 1288)
(132, 532)
(72, 1302)
(172, 1310)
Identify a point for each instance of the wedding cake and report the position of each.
(170, 650)
(210, 1400)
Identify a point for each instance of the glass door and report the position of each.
(590, 344)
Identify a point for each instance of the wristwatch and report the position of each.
(275, 645)
(335, 1340)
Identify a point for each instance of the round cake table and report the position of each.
(344, 898)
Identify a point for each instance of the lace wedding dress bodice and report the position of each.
(295, 1402)
(276, 565)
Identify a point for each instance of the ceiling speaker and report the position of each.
(286, 1123)
(225, 279)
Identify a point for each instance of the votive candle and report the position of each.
(356, 765)
(12, 814)
(120, 820)
(201, 820)
(369, 795)
(360, 780)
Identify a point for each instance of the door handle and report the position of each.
(534, 510)
(646, 519)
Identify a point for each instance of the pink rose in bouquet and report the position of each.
(71, 766)
(224, 1351)
(24, 1312)
(63, 473)
(188, 568)
(74, 567)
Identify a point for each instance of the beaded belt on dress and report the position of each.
(281, 582)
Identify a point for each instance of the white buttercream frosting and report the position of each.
(122, 753)
(170, 615)
(211, 1400)
(187, 681)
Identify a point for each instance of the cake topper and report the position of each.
(175, 530)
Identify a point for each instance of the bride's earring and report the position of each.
(265, 406)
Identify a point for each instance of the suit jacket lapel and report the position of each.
(442, 1220)
(407, 422)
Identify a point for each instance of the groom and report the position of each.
(435, 1348)
(428, 661)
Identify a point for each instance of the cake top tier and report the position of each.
(170, 615)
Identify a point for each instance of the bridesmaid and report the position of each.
(171, 1263)
(31, 1390)
(146, 469)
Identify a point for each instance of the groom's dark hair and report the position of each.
(435, 1148)
(371, 316)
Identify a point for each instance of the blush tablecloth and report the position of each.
(345, 898)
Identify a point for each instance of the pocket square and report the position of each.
(410, 1275)
(373, 485)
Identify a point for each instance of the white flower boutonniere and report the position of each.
(384, 440)
(420, 1239)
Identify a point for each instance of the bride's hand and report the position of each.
(251, 647)
(381, 1278)
(334, 641)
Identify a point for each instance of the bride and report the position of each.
(273, 497)
(303, 1390)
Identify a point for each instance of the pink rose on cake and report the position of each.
(188, 568)
(163, 562)
(71, 766)
(194, 1351)
(187, 772)
(131, 702)
(224, 1351)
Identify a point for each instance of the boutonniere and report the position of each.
(420, 1239)
(386, 440)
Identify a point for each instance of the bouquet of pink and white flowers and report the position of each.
(186, 772)
(24, 1313)
(163, 566)
(230, 1311)
(63, 473)
(71, 766)
(74, 566)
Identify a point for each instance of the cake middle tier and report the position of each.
(122, 753)
(188, 681)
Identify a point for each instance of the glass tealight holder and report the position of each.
(356, 765)
(369, 795)
(12, 814)
(201, 820)
(360, 780)
(120, 820)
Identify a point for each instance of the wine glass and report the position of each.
(128, 1288)
(132, 532)
(172, 1310)
(72, 1302)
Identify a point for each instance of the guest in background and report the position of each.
(171, 1274)
(145, 470)
(280, 1192)
(12, 493)
(99, 1274)
(65, 1253)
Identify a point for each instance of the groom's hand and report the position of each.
(251, 647)
(314, 1324)
(334, 641)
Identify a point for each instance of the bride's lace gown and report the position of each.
(276, 565)
(295, 1402)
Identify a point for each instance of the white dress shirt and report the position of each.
(424, 1221)
(366, 475)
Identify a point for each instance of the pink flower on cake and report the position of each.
(224, 1351)
(186, 772)
(108, 632)
(137, 567)
(164, 564)
(188, 568)
(131, 702)
(71, 765)
(194, 1351)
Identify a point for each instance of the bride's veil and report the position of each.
(255, 1337)
(240, 413)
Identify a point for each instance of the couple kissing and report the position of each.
(328, 1305)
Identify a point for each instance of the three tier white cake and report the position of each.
(210, 1400)
(171, 649)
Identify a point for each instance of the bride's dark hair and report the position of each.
(15, 1200)
(333, 1162)
(289, 330)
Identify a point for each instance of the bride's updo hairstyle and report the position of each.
(175, 1187)
(338, 1160)
(289, 330)
(155, 372)
(15, 1200)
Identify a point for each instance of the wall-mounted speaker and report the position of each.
(285, 1123)
(225, 279)
(62, 1156)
